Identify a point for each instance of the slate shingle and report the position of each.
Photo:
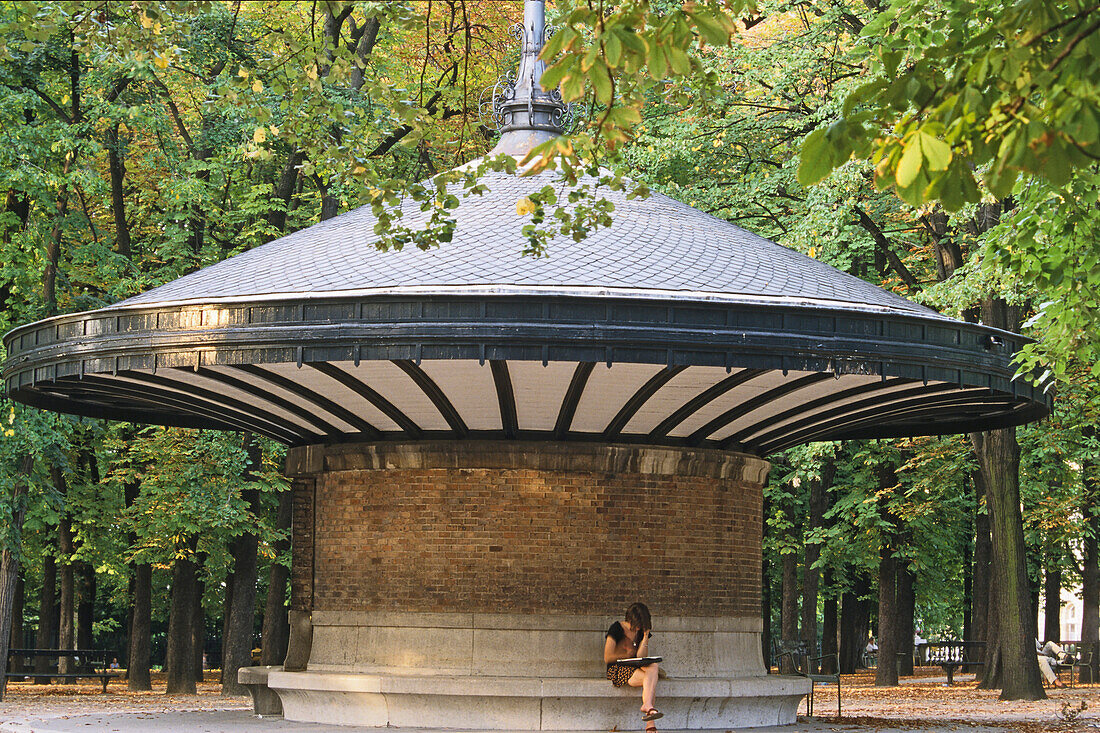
(654, 244)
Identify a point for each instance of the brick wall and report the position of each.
(530, 540)
(301, 547)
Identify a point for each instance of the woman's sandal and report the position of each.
(651, 714)
(649, 728)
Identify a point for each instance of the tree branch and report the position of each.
(883, 245)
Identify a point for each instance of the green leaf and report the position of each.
(678, 60)
(711, 29)
(936, 152)
(557, 42)
(910, 163)
(600, 77)
(552, 77)
(816, 159)
(658, 62)
(613, 49)
(572, 86)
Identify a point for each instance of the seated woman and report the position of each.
(630, 638)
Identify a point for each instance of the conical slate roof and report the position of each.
(670, 327)
(657, 246)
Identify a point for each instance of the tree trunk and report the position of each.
(906, 601)
(1034, 589)
(1052, 600)
(180, 656)
(227, 613)
(9, 568)
(828, 623)
(198, 625)
(237, 648)
(983, 572)
(788, 619)
(1011, 663)
(138, 677)
(765, 612)
(886, 674)
(284, 190)
(85, 609)
(1090, 576)
(853, 624)
(788, 612)
(66, 629)
(53, 244)
(16, 635)
(811, 575)
(968, 582)
(117, 165)
(276, 628)
(47, 614)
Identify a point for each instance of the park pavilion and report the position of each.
(493, 455)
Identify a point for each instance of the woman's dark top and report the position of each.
(619, 673)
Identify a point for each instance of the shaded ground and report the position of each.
(919, 705)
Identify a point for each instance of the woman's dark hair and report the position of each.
(638, 616)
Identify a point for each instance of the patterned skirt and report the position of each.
(619, 674)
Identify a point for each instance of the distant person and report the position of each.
(918, 652)
(872, 647)
(1050, 654)
(114, 663)
(627, 639)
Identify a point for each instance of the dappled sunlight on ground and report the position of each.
(925, 700)
(922, 702)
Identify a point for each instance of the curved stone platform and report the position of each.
(531, 703)
(469, 584)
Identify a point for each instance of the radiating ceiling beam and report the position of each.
(506, 397)
(360, 388)
(639, 398)
(853, 420)
(319, 401)
(703, 399)
(267, 395)
(761, 400)
(244, 408)
(572, 398)
(196, 406)
(741, 437)
(436, 395)
(827, 416)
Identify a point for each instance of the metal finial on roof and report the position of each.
(525, 113)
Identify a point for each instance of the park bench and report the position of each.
(950, 655)
(805, 665)
(90, 664)
(1083, 654)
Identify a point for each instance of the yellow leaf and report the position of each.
(813, 251)
(311, 72)
(160, 60)
(146, 21)
(257, 86)
(259, 135)
(242, 72)
(358, 170)
(524, 206)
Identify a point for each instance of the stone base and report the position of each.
(264, 700)
(528, 703)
